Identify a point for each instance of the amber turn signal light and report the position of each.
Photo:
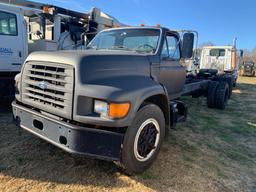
(118, 110)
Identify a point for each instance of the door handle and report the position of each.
(20, 55)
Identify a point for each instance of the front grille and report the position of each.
(49, 87)
(248, 69)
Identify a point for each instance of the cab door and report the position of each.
(12, 49)
(172, 74)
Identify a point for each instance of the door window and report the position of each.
(171, 48)
(8, 24)
(165, 52)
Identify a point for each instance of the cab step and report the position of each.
(178, 112)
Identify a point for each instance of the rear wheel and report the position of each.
(143, 139)
(211, 93)
(221, 95)
(230, 81)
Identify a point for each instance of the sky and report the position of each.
(217, 21)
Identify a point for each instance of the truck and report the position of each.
(27, 26)
(248, 68)
(224, 60)
(116, 100)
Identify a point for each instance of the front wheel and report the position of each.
(143, 139)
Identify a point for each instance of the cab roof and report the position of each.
(218, 47)
(163, 29)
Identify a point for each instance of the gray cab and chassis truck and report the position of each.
(116, 100)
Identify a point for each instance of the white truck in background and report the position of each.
(219, 63)
(27, 26)
(222, 59)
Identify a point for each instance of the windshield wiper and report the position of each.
(119, 47)
(145, 51)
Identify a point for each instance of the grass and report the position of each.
(212, 151)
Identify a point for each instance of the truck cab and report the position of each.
(13, 48)
(12, 37)
(221, 60)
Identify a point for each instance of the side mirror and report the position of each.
(188, 45)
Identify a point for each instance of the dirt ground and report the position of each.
(213, 151)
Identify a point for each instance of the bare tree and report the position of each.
(250, 55)
(208, 43)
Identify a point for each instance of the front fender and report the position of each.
(133, 89)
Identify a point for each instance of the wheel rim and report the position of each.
(147, 140)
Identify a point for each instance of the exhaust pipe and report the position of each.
(234, 42)
(233, 61)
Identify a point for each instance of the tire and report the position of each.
(137, 155)
(230, 82)
(211, 93)
(221, 95)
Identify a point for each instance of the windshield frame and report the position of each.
(156, 52)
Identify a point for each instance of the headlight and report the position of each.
(101, 108)
(111, 110)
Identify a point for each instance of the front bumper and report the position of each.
(91, 142)
(248, 73)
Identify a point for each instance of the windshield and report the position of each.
(138, 40)
(217, 52)
(249, 63)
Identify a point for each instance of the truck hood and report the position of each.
(74, 57)
(92, 65)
